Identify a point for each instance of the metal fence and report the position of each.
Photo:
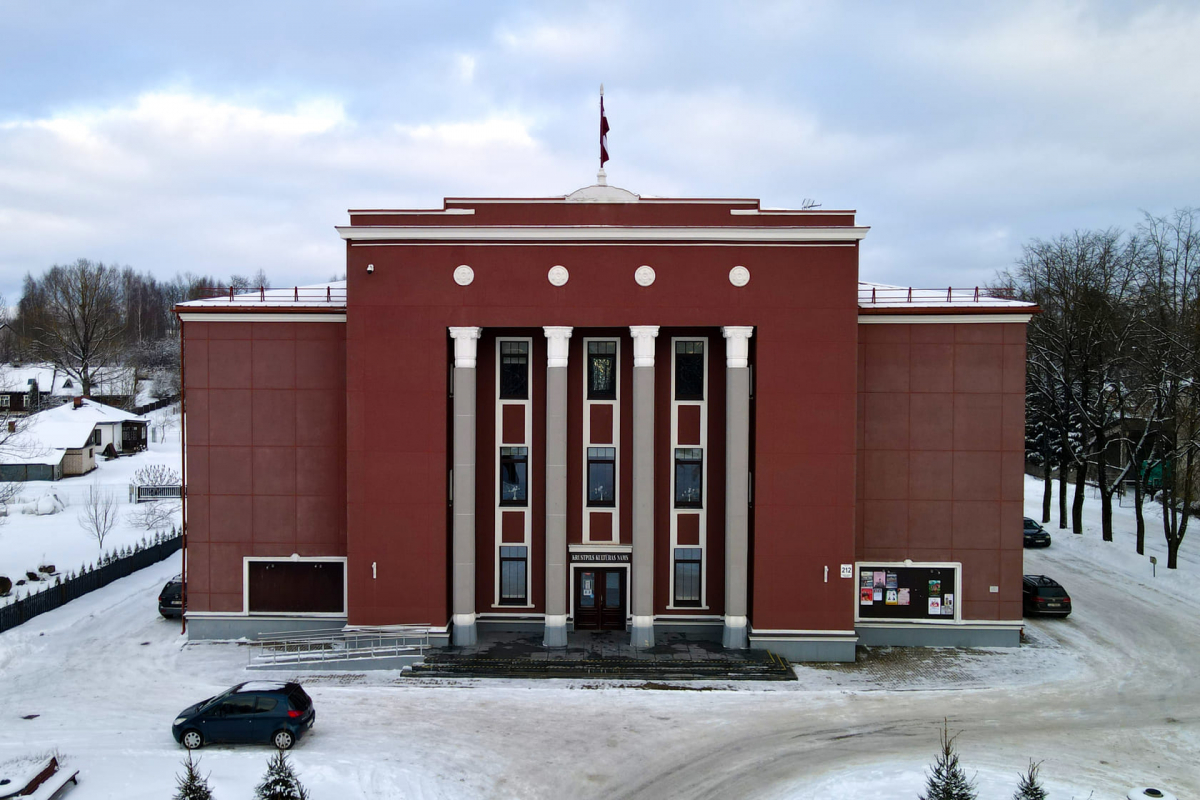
(146, 494)
(64, 591)
(157, 404)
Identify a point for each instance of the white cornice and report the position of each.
(942, 319)
(599, 233)
(250, 316)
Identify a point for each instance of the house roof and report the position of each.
(106, 380)
(46, 436)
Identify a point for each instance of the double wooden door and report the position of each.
(600, 599)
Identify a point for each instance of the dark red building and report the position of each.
(606, 411)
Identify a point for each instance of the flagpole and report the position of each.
(601, 176)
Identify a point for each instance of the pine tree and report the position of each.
(1029, 787)
(948, 780)
(280, 782)
(192, 785)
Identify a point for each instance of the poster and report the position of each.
(892, 581)
(947, 605)
(891, 597)
(865, 596)
(903, 597)
(864, 579)
(935, 588)
(880, 580)
(935, 606)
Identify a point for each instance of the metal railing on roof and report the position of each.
(908, 294)
(263, 294)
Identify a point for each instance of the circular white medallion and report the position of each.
(644, 275)
(739, 276)
(463, 275)
(558, 275)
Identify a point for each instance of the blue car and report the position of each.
(256, 711)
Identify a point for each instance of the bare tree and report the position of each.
(99, 514)
(158, 515)
(74, 317)
(156, 475)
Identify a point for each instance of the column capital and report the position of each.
(557, 339)
(737, 348)
(465, 341)
(643, 344)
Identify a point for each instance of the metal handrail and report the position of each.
(908, 294)
(339, 645)
(265, 294)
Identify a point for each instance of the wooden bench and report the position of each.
(42, 781)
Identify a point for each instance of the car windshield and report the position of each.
(1051, 591)
(218, 698)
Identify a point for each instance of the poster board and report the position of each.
(906, 592)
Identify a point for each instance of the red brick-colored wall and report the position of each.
(802, 300)
(265, 423)
(941, 444)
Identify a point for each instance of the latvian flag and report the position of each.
(603, 133)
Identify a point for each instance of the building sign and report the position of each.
(600, 558)
(909, 593)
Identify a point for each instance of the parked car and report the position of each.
(256, 711)
(1035, 534)
(170, 599)
(1042, 595)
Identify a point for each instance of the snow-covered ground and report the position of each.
(28, 541)
(1114, 705)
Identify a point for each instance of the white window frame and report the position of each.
(527, 509)
(615, 509)
(703, 509)
(295, 559)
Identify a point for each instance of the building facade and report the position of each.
(603, 411)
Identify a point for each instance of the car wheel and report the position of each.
(192, 739)
(283, 740)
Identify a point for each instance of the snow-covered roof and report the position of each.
(318, 295)
(46, 435)
(899, 298)
(105, 380)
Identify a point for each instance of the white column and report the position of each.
(737, 483)
(465, 345)
(642, 566)
(558, 339)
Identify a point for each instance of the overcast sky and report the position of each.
(224, 137)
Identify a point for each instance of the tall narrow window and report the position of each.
(512, 576)
(687, 575)
(602, 370)
(514, 370)
(514, 463)
(689, 370)
(602, 484)
(689, 471)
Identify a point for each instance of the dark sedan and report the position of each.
(1035, 534)
(257, 711)
(1042, 595)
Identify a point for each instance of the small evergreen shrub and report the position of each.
(280, 782)
(1029, 787)
(192, 785)
(948, 780)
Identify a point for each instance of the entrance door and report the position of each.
(600, 600)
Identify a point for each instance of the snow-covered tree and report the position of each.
(1029, 787)
(280, 782)
(948, 780)
(192, 785)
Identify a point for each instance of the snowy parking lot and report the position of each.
(1108, 698)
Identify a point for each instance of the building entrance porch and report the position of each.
(600, 603)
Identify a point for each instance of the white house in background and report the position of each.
(65, 440)
(55, 387)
